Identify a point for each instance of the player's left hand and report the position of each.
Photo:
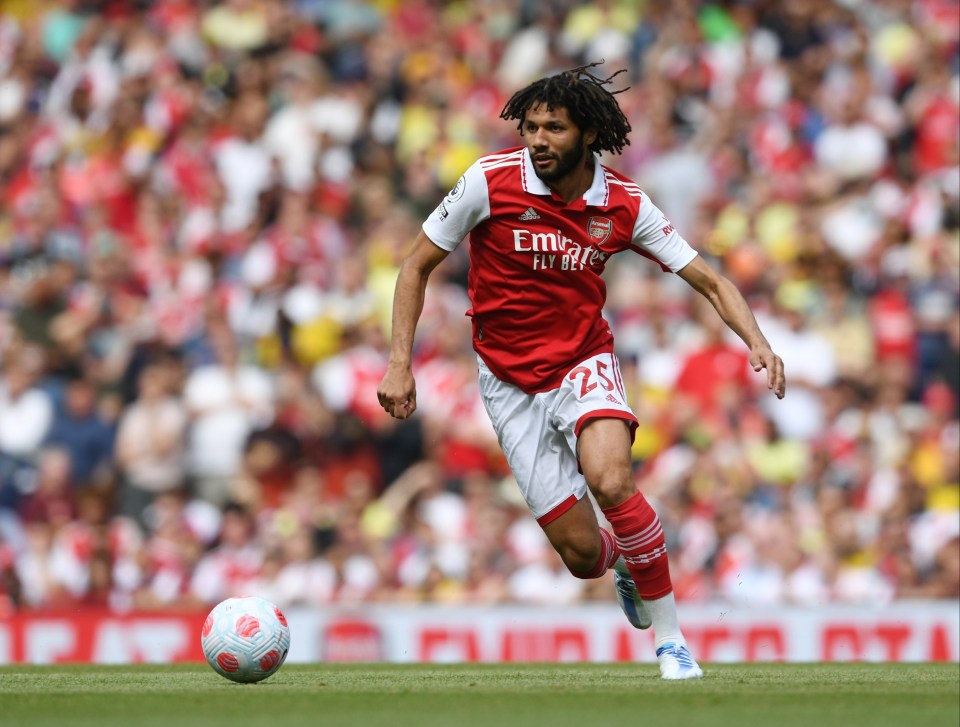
(764, 358)
(397, 392)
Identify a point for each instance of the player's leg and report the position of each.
(576, 535)
(543, 459)
(545, 467)
(604, 452)
(589, 551)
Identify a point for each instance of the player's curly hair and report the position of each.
(587, 101)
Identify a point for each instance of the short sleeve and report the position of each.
(655, 237)
(464, 207)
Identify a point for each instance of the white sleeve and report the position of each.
(464, 207)
(653, 235)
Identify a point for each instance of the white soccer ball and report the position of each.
(245, 639)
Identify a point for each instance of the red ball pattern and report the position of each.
(247, 626)
(228, 662)
(270, 660)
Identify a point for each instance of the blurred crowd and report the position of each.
(203, 205)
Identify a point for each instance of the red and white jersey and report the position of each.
(536, 262)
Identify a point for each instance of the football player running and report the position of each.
(543, 220)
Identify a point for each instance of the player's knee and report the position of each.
(612, 488)
(580, 558)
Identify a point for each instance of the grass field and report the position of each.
(774, 695)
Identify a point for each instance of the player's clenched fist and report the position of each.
(398, 393)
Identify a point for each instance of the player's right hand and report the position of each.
(397, 393)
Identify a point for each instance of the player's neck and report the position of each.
(575, 184)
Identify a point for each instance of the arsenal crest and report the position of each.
(599, 229)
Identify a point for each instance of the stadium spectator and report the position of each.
(226, 399)
(26, 415)
(715, 374)
(233, 564)
(85, 434)
(150, 444)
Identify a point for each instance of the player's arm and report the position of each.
(735, 312)
(397, 391)
(465, 206)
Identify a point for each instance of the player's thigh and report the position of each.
(542, 463)
(604, 451)
(591, 408)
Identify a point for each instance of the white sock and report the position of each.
(666, 627)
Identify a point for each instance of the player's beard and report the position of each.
(566, 163)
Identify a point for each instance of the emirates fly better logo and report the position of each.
(599, 229)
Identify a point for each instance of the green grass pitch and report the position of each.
(515, 695)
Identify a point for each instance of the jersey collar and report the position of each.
(596, 196)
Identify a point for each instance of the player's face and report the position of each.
(557, 146)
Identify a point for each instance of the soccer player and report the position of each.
(543, 220)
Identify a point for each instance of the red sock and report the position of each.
(640, 539)
(609, 552)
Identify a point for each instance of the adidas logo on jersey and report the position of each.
(612, 398)
(530, 214)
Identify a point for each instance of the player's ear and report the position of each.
(589, 136)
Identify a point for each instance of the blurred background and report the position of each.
(203, 206)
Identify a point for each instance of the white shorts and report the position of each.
(538, 432)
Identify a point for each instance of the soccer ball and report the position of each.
(245, 639)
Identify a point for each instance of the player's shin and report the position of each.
(639, 537)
